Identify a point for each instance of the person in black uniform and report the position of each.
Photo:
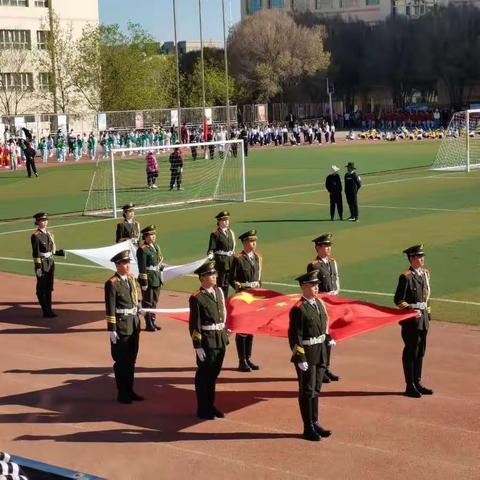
(123, 324)
(43, 251)
(413, 291)
(128, 228)
(29, 153)
(222, 246)
(306, 336)
(246, 272)
(244, 136)
(176, 169)
(209, 336)
(353, 183)
(150, 267)
(333, 184)
(326, 270)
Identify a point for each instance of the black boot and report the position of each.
(309, 432)
(154, 323)
(320, 430)
(331, 376)
(248, 352)
(123, 396)
(149, 327)
(203, 409)
(417, 372)
(49, 304)
(412, 392)
(242, 361)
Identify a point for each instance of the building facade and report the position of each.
(187, 46)
(24, 26)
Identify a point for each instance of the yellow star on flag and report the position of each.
(247, 297)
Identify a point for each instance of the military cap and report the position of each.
(350, 165)
(148, 230)
(250, 235)
(223, 214)
(128, 206)
(309, 277)
(40, 216)
(414, 251)
(206, 268)
(324, 239)
(120, 256)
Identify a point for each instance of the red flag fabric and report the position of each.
(266, 312)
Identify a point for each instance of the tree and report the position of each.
(270, 54)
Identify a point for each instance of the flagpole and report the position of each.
(202, 58)
(226, 66)
(178, 66)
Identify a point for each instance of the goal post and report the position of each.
(460, 147)
(187, 173)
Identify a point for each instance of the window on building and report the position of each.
(324, 4)
(254, 6)
(276, 3)
(372, 2)
(41, 3)
(16, 81)
(348, 3)
(42, 36)
(15, 39)
(14, 3)
(44, 81)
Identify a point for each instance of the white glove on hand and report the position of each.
(39, 272)
(332, 343)
(333, 292)
(113, 337)
(303, 366)
(141, 311)
(144, 288)
(210, 256)
(254, 284)
(200, 354)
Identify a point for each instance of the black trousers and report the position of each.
(152, 178)
(336, 201)
(30, 164)
(175, 178)
(309, 386)
(124, 354)
(352, 204)
(44, 290)
(206, 379)
(150, 298)
(245, 148)
(415, 345)
(222, 280)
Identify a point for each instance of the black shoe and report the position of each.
(412, 392)
(206, 416)
(311, 435)
(243, 366)
(332, 376)
(423, 390)
(124, 399)
(156, 327)
(136, 398)
(321, 431)
(36, 174)
(217, 413)
(252, 365)
(50, 315)
(150, 328)
(325, 379)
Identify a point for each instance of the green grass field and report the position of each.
(402, 203)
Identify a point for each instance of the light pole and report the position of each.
(178, 67)
(330, 91)
(226, 66)
(202, 59)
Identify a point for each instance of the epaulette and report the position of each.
(298, 303)
(113, 279)
(407, 273)
(196, 293)
(120, 222)
(144, 246)
(427, 271)
(332, 259)
(215, 231)
(315, 261)
(259, 255)
(36, 232)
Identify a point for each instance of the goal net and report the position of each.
(460, 147)
(187, 173)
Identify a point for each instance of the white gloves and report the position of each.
(332, 343)
(144, 288)
(141, 311)
(200, 354)
(303, 366)
(210, 256)
(39, 272)
(113, 337)
(252, 284)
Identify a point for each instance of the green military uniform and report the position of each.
(43, 251)
(306, 335)
(413, 291)
(128, 229)
(150, 266)
(246, 272)
(222, 246)
(328, 282)
(121, 301)
(208, 332)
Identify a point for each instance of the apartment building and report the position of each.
(23, 31)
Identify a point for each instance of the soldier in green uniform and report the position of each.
(306, 335)
(413, 291)
(246, 272)
(150, 267)
(43, 250)
(128, 228)
(222, 246)
(121, 299)
(209, 336)
(326, 269)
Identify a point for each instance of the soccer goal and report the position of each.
(460, 148)
(187, 173)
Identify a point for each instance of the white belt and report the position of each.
(153, 268)
(126, 311)
(214, 326)
(251, 284)
(418, 306)
(46, 255)
(223, 252)
(314, 340)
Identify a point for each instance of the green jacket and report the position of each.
(149, 259)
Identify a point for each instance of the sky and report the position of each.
(156, 17)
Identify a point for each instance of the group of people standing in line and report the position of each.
(308, 334)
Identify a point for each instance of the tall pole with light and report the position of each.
(178, 66)
(226, 65)
(330, 91)
(202, 60)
